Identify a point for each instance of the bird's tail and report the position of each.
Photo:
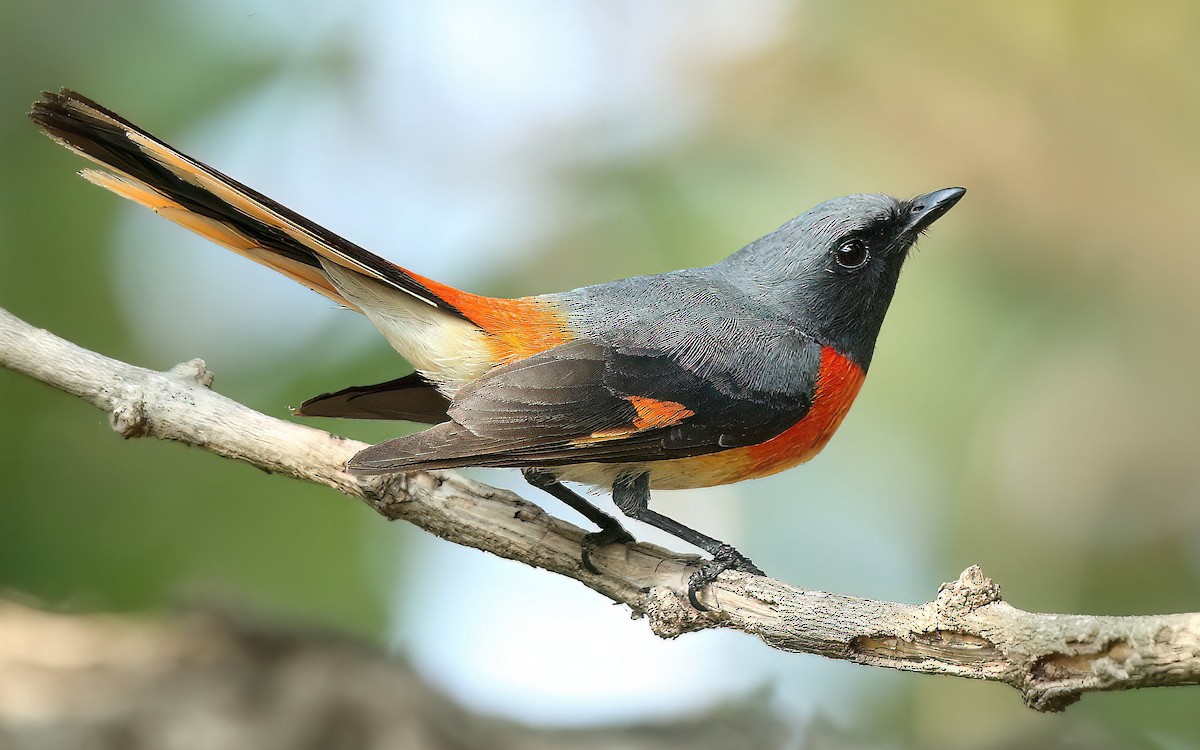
(450, 336)
(144, 169)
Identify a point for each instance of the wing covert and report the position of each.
(587, 402)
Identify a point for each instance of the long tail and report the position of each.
(144, 169)
(450, 336)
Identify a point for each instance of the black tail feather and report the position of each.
(100, 134)
(411, 398)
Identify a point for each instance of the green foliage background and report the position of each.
(1040, 359)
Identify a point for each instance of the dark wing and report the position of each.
(411, 398)
(585, 402)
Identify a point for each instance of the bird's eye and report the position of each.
(852, 254)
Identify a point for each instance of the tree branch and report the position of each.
(967, 630)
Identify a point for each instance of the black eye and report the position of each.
(852, 254)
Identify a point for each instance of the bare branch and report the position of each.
(967, 630)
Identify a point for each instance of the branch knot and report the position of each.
(970, 592)
(670, 615)
(128, 418)
(194, 370)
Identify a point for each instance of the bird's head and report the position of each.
(833, 269)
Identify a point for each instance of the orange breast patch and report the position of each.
(838, 382)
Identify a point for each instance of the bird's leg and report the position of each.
(632, 496)
(611, 531)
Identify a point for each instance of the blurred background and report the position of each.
(1033, 405)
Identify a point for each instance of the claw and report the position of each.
(725, 558)
(604, 537)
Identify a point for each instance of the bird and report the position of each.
(692, 378)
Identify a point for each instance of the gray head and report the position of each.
(834, 268)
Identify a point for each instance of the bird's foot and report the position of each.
(614, 534)
(725, 558)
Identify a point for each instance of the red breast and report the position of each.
(838, 382)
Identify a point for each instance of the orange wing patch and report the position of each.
(653, 413)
